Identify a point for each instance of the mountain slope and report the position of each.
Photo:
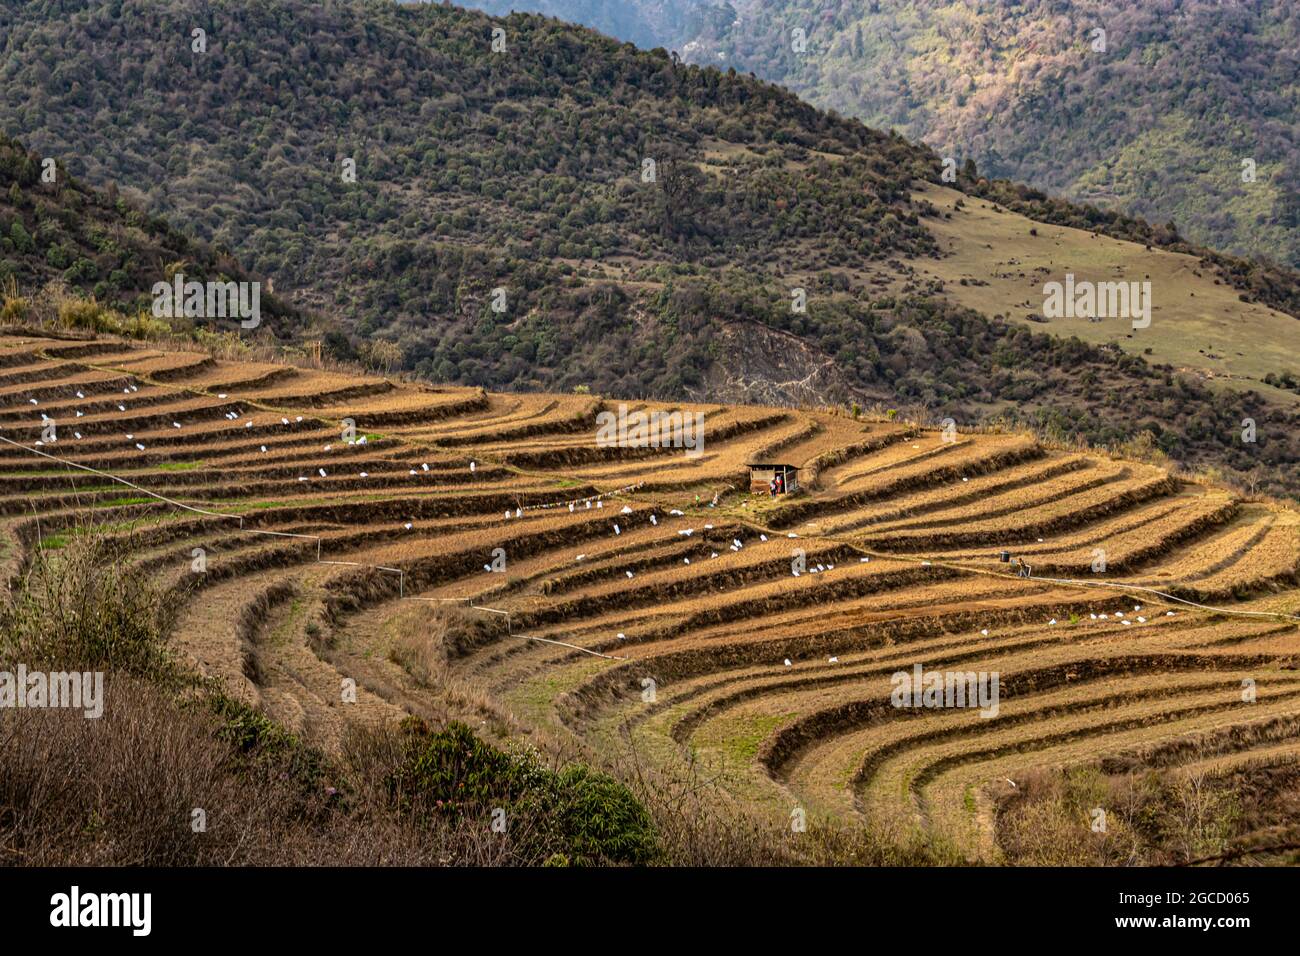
(1158, 123)
(572, 212)
(58, 236)
(473, 171)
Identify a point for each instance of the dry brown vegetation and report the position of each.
(646, 620)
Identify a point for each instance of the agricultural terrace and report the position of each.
(450, 548)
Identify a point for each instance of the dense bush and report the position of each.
(585, 816)
(81, 608)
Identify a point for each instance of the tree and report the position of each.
(382, 355)
(679, 189)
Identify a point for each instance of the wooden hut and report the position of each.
(762, 475)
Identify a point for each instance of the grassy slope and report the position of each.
(1197, 323)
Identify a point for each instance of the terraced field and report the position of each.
(449, 550)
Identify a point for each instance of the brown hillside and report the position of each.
(372, 560)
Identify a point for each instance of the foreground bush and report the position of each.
(1083, 817)
(80, 607)
(451, 778)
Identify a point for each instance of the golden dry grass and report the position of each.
(484, 557)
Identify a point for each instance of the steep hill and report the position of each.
(1158, 123)
(567, 211)
(58, 235)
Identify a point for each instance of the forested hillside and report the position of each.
(473, 170)
(564, 211)
(1157, 124)
(60, 241)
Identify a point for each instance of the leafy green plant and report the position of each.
(602, 820)
(453, 775)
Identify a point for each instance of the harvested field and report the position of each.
(449, 548)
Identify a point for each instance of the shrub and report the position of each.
(22, 240)
(579, 814)
(453, 771)
(260, 742)
(602, 821)
(15, 308)
(78, 313)
(85, 610)
(381, 355)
